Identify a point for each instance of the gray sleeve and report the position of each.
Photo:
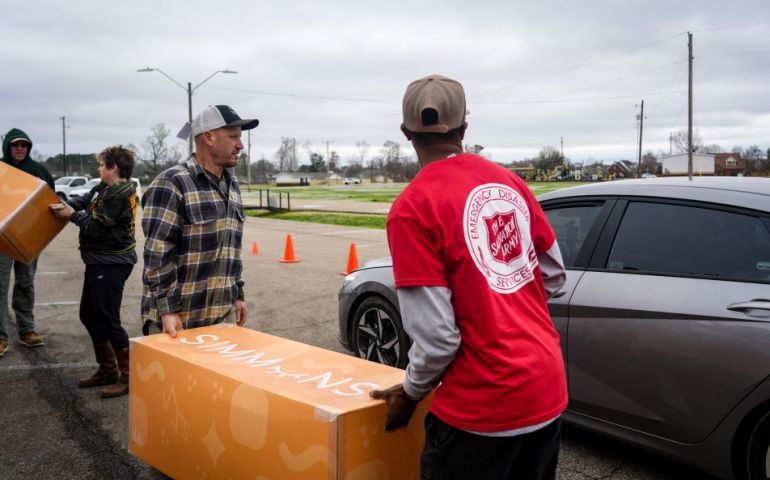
(552, 268)
(429, 320)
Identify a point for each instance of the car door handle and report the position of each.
(560, 293)
(758, 308)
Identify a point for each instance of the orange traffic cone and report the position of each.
(254, 249)
(352, 259)
(288, 255)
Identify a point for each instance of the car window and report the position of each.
(571, 225)
(688, 240)
(78, 182)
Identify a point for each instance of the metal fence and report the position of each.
(273, 200)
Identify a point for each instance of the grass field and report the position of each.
(332, 218)
(382, 193)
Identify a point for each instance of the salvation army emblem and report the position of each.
(496, 223)
(503, 237)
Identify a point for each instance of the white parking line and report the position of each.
(45, 366)
(55, 304)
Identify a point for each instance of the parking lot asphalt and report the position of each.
(49, 429)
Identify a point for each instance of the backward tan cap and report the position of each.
(442, 94)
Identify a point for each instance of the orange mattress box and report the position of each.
(26, 224)
(229, 402)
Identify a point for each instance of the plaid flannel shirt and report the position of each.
(192, 252)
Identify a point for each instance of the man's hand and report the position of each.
(400, 407)
(61, 210)
(171, 324)
(241, 312)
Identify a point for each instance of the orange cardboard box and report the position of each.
(26, 224)
(224, 402)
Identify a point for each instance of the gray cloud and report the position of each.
(534, 72)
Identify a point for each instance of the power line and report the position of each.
(736, 54)
(588, 64)
(312, 97)
(625, 77)
(732, 27)
(590, 99)
(364, 100)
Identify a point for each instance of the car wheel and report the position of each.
(377, 333)
(61, 196)
(758, 451)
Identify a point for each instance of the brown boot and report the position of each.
(120, 388)
(108, 373)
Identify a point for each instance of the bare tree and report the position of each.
(362, 149)
(752, 158)
(649, 163)
(286, 155)
(392, 161)
(680, 144)
(713, 148)
(156, 153)
(317, 160)
(354, 169)
(548, 159)
(334, 161)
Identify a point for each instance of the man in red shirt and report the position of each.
(475, 260)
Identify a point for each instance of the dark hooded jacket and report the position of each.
(27, 165)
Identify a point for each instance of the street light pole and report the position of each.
(189, 90)
(189, 116)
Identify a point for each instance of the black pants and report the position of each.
(100, 303)
(450, 453)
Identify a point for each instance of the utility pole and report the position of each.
(189, 117)
(562, 147)
(63, 147)
(670, 143)
(189, 91)
(689, 109)
(328, 160)
(641, 127)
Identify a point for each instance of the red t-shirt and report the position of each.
(474, 227)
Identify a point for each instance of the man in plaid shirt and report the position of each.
(193, 224)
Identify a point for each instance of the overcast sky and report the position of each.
(335, 71)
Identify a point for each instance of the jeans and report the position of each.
(450, 454)
(23, 299)
(100, 303)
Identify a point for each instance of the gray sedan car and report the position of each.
(664, 318)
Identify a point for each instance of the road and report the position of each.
(49, 429)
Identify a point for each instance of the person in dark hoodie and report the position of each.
(16, 148)
(105, 217)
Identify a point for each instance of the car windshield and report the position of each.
(63, 181)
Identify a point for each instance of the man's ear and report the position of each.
(406, 132)
(463, 127)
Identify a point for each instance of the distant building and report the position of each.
(622, 169)
(526, 173)
(296, 179)
(676, 165)
(728, 164)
